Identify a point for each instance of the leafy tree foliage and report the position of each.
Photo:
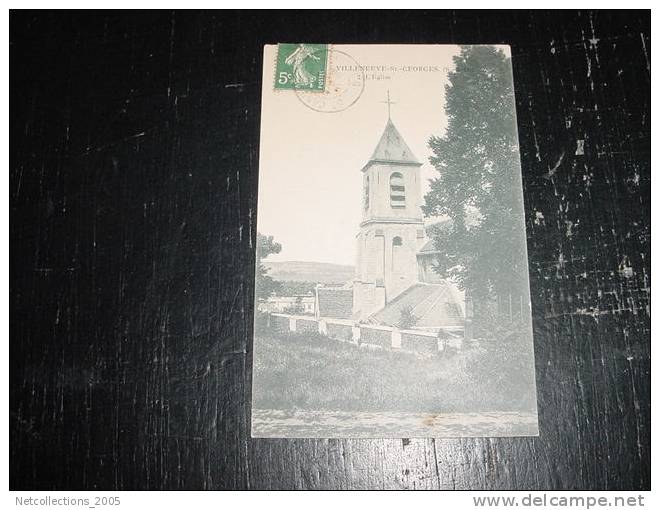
(294, 288)
(478, 181)
(265, 285)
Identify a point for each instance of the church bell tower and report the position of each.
(392, 230)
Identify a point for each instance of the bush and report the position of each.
(407, 319)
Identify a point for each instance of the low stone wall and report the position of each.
(380, 336)
(385, 337)
(421, 342)
(307, 325)
(279, 323)
(343, 332)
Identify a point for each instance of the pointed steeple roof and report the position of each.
(392, 148)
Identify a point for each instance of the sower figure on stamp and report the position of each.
(297, 60)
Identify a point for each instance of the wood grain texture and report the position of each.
(133, 178)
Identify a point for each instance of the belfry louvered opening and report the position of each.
(397, 190)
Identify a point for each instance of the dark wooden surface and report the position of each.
(133, 178)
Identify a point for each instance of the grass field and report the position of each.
(311, 372)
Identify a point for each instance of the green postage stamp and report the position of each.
(301, 67)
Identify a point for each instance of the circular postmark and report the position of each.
(344, 85)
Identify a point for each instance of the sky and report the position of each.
(310, 184)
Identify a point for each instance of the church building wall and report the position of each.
(392, 230)
(378, 176)
(368, 298)
(402, 244)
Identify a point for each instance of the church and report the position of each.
(395, 256)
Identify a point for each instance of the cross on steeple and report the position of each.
(389, 104)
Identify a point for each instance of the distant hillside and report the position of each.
(319, 272)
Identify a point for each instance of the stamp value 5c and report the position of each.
(301, 67)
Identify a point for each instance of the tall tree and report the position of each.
(478, 182)
(265, 285)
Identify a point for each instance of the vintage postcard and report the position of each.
(392, 291)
